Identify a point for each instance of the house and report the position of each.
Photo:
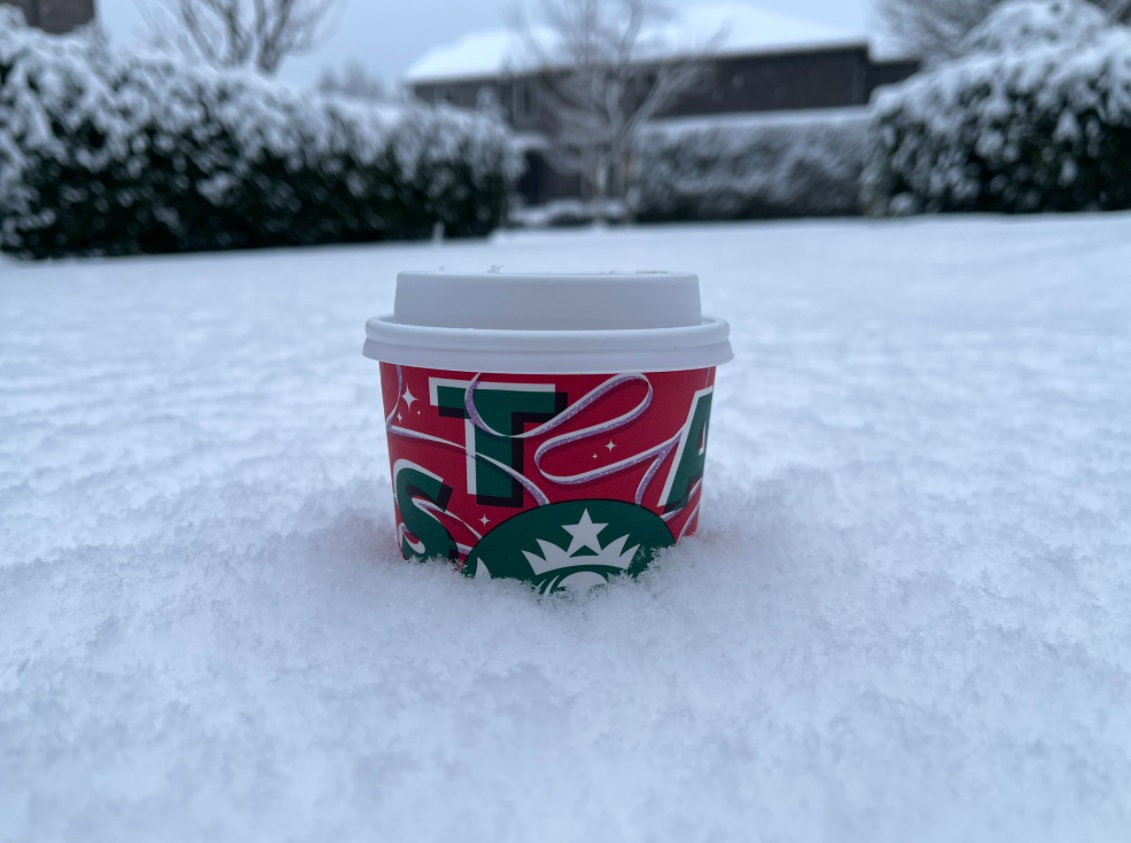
(760, 61)
(55, 16)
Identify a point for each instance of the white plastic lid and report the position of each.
(552, 324)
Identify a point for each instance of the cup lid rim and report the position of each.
(678, 348)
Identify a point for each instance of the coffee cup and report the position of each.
(550, 428)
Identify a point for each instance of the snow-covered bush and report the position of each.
(1023, 24)
(105, 153)
(769, 165)
(1041, 129)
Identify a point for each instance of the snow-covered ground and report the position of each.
(907, 615)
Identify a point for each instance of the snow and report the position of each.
(674, 126)
(741, 28)
(73, 103)
(476, 54)
(906, 616)
(977, 133)
(565, 212)
(1024, 24)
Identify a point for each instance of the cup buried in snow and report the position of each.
(546, 428)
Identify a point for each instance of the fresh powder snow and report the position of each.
(907, 615)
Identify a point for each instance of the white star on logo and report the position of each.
(610, 446)
(584, 534)
(484, 520)
(409, 398)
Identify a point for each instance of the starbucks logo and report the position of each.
(572, 545)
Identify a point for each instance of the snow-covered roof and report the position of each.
(740, 28)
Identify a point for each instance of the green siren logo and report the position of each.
(572, 545)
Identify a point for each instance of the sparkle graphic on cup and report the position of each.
(533, 438)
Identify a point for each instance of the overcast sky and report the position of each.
(389, 36)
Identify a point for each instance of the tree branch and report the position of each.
(242, 33)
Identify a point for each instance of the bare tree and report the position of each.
(936, 29)
(605, 67)
(355, 82)
(241, 33)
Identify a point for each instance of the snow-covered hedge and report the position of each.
(1023, 24)
(105, 153)
(1041, 129)
(768, 165)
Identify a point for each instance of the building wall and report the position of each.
(890, 73)
(783, 81)
(830, 78)
(55, 16)
(837, 77)
(541, 183)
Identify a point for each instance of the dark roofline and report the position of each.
(772, 52)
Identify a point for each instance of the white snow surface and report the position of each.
(907, 615)
(728, 27)
(674, 126)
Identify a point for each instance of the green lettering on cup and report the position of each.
(412, 484)
(691, 456)
(507, 409)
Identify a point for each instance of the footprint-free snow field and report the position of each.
(907, 615)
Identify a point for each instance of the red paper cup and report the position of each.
(528, 438)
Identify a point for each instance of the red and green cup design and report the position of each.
(560, 480)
